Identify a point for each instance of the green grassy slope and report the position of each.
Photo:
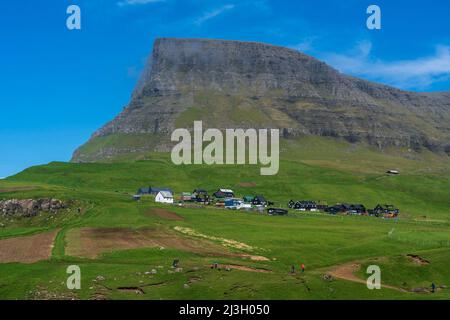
(313, 169)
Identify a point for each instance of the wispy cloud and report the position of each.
(212, 14)
(419, 73)
(136, 2)
(305, 45)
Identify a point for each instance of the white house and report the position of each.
(164, 197)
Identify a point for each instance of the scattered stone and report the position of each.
(30, 207)
(186, 286)
(327, 277)
(100, 278)
(154, 271)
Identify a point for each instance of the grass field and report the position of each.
(134, 247)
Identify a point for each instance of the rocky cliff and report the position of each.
(232, 84)
(30, 207)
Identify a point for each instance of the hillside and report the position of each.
(231, 84)
(125, 248)
(340, 136)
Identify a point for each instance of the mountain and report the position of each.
(233, 84)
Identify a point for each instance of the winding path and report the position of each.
(347, 271)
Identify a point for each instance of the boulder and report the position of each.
(30, 207)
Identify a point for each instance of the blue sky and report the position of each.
(58, 86)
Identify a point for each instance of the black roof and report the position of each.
(143, 190)
(260, 198)
(147, 190)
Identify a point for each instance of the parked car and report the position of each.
(277, 212)
(333, 210)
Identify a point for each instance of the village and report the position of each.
(226, 199)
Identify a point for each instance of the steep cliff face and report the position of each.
(231, 84)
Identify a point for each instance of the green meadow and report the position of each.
(310, 168)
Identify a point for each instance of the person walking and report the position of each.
(433, 287)
(303, 267)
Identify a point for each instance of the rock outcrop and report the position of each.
(233, 84)
(30, 207)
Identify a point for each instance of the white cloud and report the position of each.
(304, 46)
(212, 14)
(417, 73)
(136, 2)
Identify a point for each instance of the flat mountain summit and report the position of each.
(234, 84)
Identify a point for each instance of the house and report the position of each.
(300, 205)
(348, 208)
(244, 206)
(200, 195)
(143, 190)
(385, 210)
(322, 205)
(311, 206)
(358, 208)
(231, 203)
(305, 205)
(224, 193)
(236, 204)
(164, 197)
(259, 201)
(393, 172)
(155, 190)
(248, 199)
(338, 208)
(198, 192)
(186, 196)
(152, 190)
(333, 209)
